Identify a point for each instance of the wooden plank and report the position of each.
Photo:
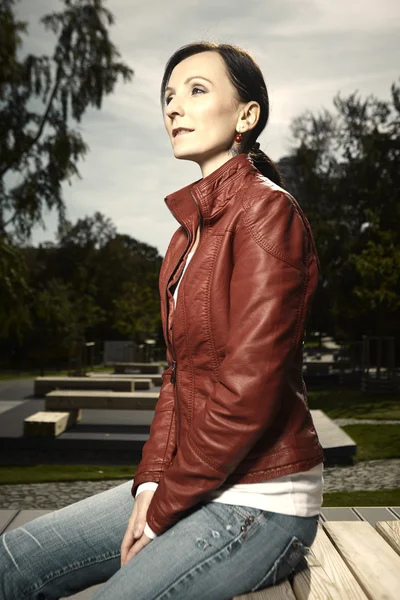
(282, 591)
(65, 399)
(390, 531)
(375, 565)
(344, 513)
(50, 424)
(372, 514)
(327, 576)
(6, 516)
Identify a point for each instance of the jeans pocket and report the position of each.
(248, 512)
(285, 564)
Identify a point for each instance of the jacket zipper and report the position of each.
(170, 335)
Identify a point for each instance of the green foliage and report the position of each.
(378, 268)
(14, 290)
(92, 285)
(39, 98)
(136, 310)
(345, 171)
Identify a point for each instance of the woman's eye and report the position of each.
(194, 88)
(197, 88)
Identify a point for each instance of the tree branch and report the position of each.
(34, 141)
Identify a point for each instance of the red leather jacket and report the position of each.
(232, 406)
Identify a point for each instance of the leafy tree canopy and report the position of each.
(40, 98)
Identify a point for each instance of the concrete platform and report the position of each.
(136, 367)
(334, 440)
(44, 385)
(117, 437)
(155, 377)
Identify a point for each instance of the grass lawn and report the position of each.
(375, 442)
(381, 498)
(345, 403)
(48, 473)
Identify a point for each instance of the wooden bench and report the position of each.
(144, 368)
(73, 399)
(63, 408)
(44, 385)
(349, 560)
(155, 378)
(50, 424)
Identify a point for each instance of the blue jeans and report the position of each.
(216, 551)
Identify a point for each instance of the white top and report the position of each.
(298, 494)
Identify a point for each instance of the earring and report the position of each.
(238, 138)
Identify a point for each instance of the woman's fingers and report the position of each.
(139, 545)
(127, 542)
(136, 523)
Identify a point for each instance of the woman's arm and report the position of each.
(158, 450)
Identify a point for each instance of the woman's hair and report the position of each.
(248, 80)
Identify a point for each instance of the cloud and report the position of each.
(308, 50)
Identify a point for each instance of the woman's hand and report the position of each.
(134, 538)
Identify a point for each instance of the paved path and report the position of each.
(16, 389)
(341, 422)
(369, 475)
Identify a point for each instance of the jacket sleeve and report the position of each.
(271, 253)
(158, 451)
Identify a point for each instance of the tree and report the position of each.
(137, 311)
(14, 290)
(39, 98)
(345, 171)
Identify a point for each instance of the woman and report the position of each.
(227, 495)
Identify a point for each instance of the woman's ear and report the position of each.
(249, 117)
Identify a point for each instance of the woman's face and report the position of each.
(200, 97)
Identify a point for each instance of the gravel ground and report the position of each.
(341, 422)
(368, 475)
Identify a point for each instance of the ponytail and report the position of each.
(265, 165)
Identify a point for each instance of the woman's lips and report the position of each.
(183, 132)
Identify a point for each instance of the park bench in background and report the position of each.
(156, 378)
(44, 385)
(350, 559)
(136, 367)
(63, 408)
(74, 399)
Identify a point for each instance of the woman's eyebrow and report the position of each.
(188, 79)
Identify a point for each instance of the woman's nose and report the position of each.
(173, 107)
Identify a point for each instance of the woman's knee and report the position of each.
(13, 567)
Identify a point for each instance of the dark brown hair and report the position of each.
(248, 80)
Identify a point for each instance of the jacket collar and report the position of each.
(205, 197)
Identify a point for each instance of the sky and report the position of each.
(308, 51)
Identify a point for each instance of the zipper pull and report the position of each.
(173, 374)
